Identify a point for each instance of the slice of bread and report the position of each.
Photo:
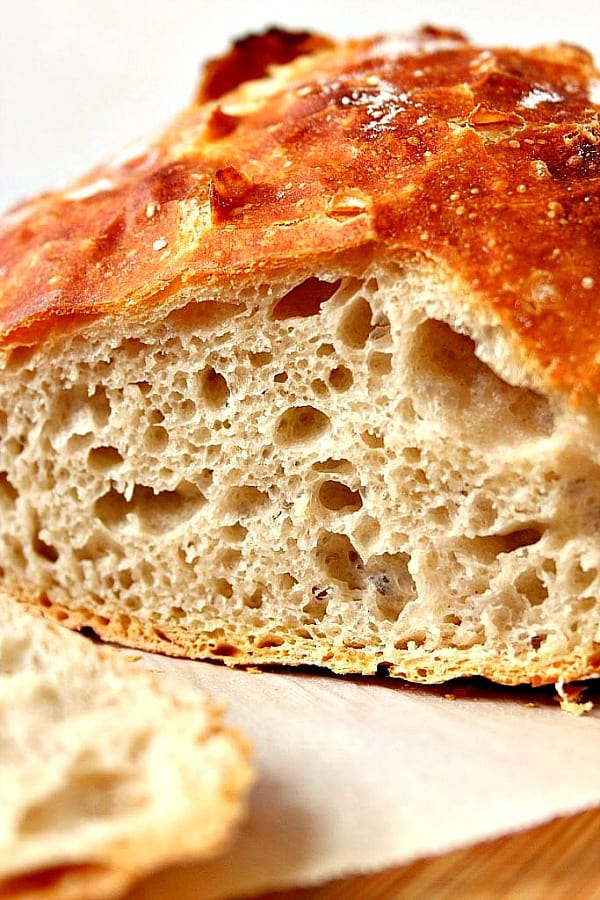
(312, 376)
(107, 770)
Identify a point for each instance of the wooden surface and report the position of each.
(560, 859)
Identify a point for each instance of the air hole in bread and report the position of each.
(300, 425)
(162, 636)
(255, 599)
(489, 546)
(372, 439)
(102, 459)
(333, 465)
(155, 416)
(336, 496)
(186, 409)
(44, 550)
(156, 439)
(213, 388)
(286, 581)
(452, 386)
(483, 511)
(521, 537)
(380, 363)
(234, 533)
(583, 578)
(338, 559)
(356, 324)
(132, 603)
(244, 501)
(393, 584)
(260, 358)
(269, 640)
(76, 411)
(8, 492)
(229, 559)
(199, 316)
(316, 608)
(223, 587)
(125, 578)
(412, 641)
(19, 357)
(225, 650)
(305, 299)
(326, 350)
(530, 585)
(586, 604)
(439, 515)
(156, 512)
(341, 378)
(319, 387)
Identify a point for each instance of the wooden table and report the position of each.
(557, 860)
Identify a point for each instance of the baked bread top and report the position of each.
(486, 161)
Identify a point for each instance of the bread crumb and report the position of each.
(569, 697)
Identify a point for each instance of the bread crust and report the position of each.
(486, 161)
(240, 649)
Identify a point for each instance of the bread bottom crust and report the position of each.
(434, 667)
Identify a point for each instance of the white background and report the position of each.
(80, 78)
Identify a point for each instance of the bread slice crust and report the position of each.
(109, 771)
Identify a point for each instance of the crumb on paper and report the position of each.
(569, 697)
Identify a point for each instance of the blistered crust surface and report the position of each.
(485, 160)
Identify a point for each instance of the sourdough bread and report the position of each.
(108, 771)
(312, 376)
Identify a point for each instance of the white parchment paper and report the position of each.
(361, 774)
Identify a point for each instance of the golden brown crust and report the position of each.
(252, 56)
(288, 649)
(69, 882)
(487, 161)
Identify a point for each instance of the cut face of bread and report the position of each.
(107, 770)
(307, 380)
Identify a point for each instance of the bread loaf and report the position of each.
(312, 376)
(107, 770)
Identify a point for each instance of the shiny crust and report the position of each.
(485, 161)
